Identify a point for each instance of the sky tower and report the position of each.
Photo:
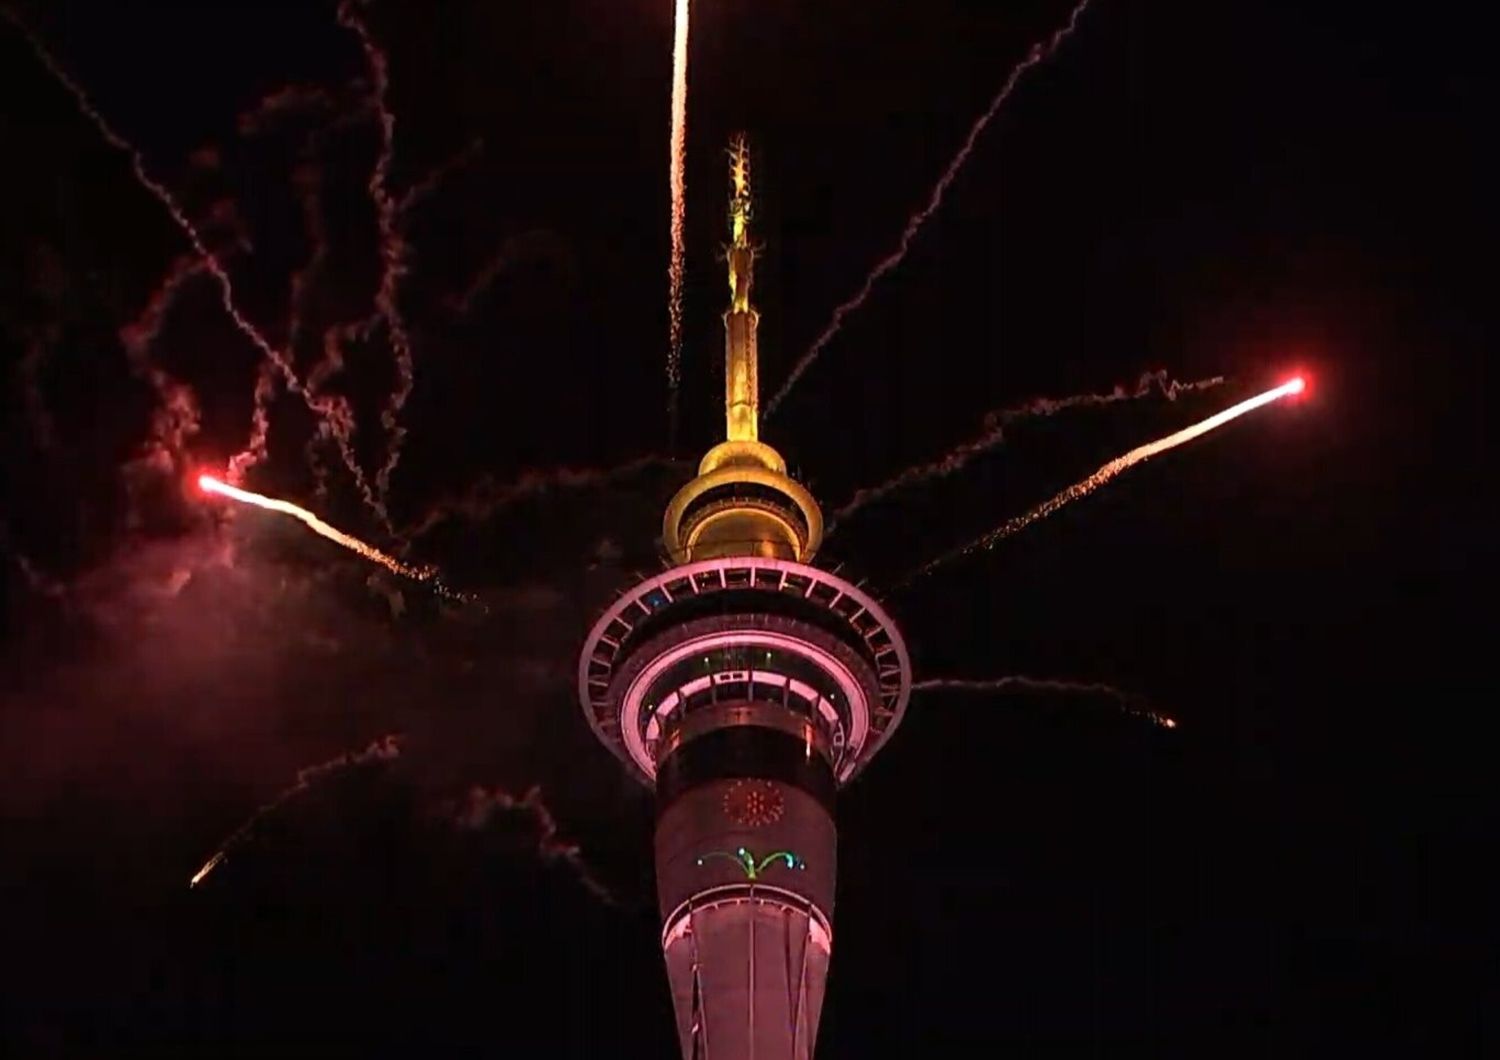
(746, 685)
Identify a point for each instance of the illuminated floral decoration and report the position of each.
(753, 867)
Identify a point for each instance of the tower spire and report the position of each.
(742, 503)
(741, 387)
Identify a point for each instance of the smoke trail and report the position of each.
(531, 245)
(1130, 705)
(47, 286)
(336, 421)
(428, 575)
(280, 102)
(1039, 54)
(29, 378)
(492, 268)
(335, 417)
(384, 749)
(307, 184)
(995, 424)
(333, 413)
(482, 804)
(392, 250)
(161, 194)
(677, 163)
(255, 450)
(1107, 472)
(38, 580)
(486, 496)
(418, 192)
(140, 334)
(221, 277)
(176, 416)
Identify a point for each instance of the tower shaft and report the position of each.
(745, 862)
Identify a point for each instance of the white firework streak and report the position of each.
(1120, 463)
(677, 169)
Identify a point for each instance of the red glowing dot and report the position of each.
(1296, 386)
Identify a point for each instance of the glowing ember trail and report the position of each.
(325, 411)
(1039, 53)
(1017, 683)
(209, 484)
(486, 496)
(384, 749)
(678, 164)
(1109, 471)
(208, 866)
(995, 425)
(162, 195)
(392, 251)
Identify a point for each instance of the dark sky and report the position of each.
(1236, 189)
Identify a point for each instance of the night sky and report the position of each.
(1240, 189)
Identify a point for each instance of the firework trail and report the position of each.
(29, 378)
(255, 450)
(678, 169)
(1130, 705)
(140, 334)
(280, 102)
(39, 581)
(486, 496)
(1108, 472)
(392, 250)
(422, 189)
(315, 465)
(162, 195)
(384, 749)
(427, 575)
(307, 182)
(481, 805)
(492, 268)
(335, 416)
(336, 420)
(221, 277)
(176, 417)
(995, 424)
(1040, 53)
